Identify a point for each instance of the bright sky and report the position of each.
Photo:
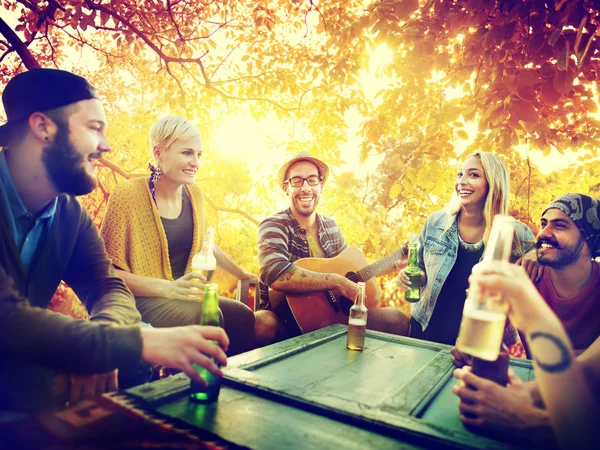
(257, 142)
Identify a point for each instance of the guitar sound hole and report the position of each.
(353, 276)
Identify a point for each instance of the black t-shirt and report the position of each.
(445, 320)
(179, 237)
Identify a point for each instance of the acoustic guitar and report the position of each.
(319, 309)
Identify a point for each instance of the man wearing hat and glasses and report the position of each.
(55, 131)
(299, 232)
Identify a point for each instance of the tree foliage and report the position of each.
(512, 76)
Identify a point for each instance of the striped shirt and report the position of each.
(281, 241)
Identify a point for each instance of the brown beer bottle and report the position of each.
(497, 371)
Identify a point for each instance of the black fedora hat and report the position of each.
(40, 90)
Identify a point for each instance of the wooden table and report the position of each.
(310, 392)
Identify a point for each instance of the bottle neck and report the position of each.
(210, 306)
(208, 244)
(412, 255)
(207, 249)
(360, 298)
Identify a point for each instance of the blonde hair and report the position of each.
(169, 129)
(496, 201)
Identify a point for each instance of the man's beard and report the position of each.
(565, 256)
(300, 209)
(65, 166)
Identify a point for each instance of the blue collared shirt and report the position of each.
(26, 229)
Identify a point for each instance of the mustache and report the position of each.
(552, 242)
(97, 155)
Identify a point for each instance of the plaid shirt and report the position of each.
(281, 241)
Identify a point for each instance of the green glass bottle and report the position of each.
(413, 271)
(210, 316)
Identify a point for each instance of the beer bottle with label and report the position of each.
(484, 313)
(413, 271)
(204, 261)
(357, 323)
(210, 316)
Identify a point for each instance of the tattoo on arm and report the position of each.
(289, 274)
(564, 360)
(306, 280)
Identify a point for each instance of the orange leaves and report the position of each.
(450, 113)
(526, 93)
(104, 16)
(563, 80)
(548, 94)
(442, 60)
(469, 112)
(403, 9)
(395, 190)
(524, 111)
(427, 48)
(590, 105)
(500, 34)
(462, 134)
(497, 115)
(506, 141)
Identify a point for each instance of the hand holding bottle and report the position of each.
(180, 347)
(403, 280)
(186, 287)
(525, 305)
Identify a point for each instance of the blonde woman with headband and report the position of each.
(452, 241)
(154, 225)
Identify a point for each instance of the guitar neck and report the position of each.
(377, 268)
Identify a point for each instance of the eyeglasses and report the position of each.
(313, 180)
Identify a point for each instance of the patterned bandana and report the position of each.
(584, 211)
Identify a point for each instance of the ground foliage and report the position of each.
(527, 69)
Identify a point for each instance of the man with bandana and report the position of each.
(54, 133)
(568, 240)
(568, 246)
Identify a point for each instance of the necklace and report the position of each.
(152, 190)
(468, 246)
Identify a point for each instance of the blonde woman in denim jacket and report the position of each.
(452, 242)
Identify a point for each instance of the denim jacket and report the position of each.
(438, 249)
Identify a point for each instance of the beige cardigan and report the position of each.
(133, 232)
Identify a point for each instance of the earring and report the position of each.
(45, 138)
(157, 173)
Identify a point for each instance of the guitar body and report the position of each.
(314, 310)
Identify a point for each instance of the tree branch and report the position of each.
(18, 46)
(117, 169)
(232, 210)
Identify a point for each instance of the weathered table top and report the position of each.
(311, 392)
